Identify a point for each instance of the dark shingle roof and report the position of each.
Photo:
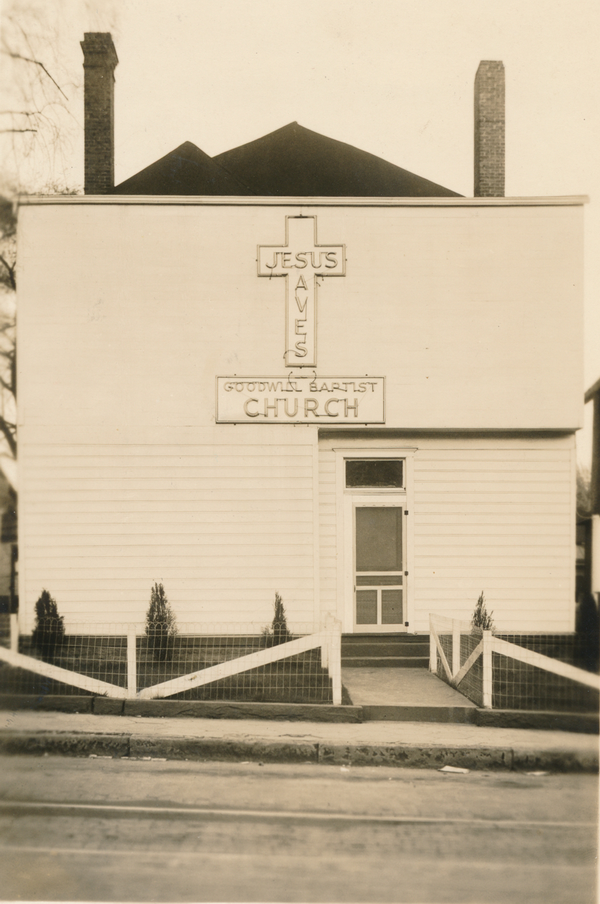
(185, 171)
(290, 162)
(293, 161)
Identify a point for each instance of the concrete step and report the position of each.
(398, 648)
(351, 639)
(369, 645)
(407, 662)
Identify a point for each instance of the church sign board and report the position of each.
(299, 399)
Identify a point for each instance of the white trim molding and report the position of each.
(346, 500)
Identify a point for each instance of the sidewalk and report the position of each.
(414, 744)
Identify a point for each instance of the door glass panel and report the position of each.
(378, 539)
(383, 472)
(391, 607)
(366, 607)
(378, 580)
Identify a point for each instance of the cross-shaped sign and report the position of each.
(302, 261)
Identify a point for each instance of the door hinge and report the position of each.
(406, 511)
(406, 574)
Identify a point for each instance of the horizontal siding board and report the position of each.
(538, 508)
(168, 507)
(531, 452)
(435, 523)
(175, 450)
(185, 596)
(438, 583)
(57, 461)
(491, 554)
(520, 595)
(218, 553)
(185, 522)
(123, 578)
(504, 497)
(461, 542)
(282, 494)
(209, 535)
(214, 473)
(529, 469)
(486, 481)
(173, 483)
(481, 567)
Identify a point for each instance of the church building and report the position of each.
(297, 368)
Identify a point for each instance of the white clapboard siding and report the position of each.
(223, 524)
(487, 514)
(328, 531)
(498, 521)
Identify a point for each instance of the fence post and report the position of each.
(335, 660)
(455, 646)
(487, 669)
(432, 650)
(131, 662)
(14, 632)
(325, 646)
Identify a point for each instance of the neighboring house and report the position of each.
(298, 368)
(8, 547)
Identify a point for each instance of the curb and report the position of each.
(581, 723)
(83, 744)
(177, 709)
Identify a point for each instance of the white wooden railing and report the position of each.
(488, 644)
(328, 640)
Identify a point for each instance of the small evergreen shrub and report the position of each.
(278, 632)
(49, 628)
(482, 619)
(161, 626)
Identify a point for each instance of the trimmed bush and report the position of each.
(161, 626)
(278, 632)
(49, 628)
(482, 619)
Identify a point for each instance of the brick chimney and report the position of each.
(99, 61)
(489, 130)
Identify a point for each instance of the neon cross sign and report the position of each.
(302, 261)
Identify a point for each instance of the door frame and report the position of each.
(346, 499)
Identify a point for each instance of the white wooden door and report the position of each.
(379, 576)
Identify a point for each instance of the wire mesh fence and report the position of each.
(299, 678)
(523, 684)
(472, 683)
(458, 641)
(150, 658)
(525, 671)
(5, 629)
(94, 651)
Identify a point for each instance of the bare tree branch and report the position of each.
(9, 432)
(17, 56)
(11, 271)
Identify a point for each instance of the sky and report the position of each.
(392, 77)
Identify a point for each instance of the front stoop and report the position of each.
(419, 712)
(385, 651)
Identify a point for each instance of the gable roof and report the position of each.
(294, 161)
(290, 162)
(185, 171)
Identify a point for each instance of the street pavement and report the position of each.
(122, 829)
(409, 744)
